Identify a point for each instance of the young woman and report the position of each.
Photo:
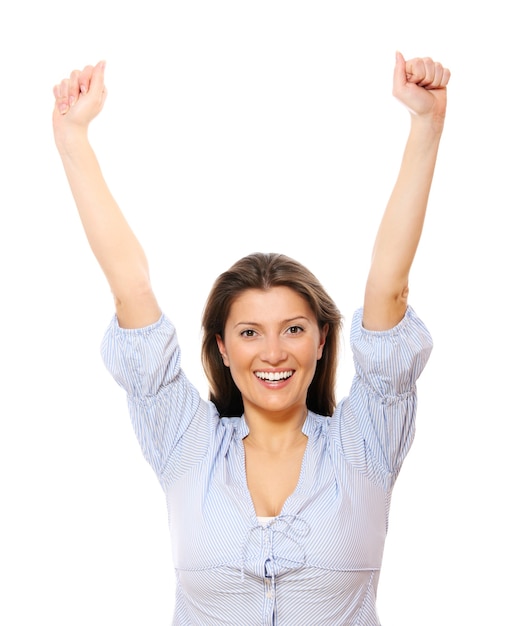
(278, 498)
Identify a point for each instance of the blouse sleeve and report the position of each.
(145, 362)
(382, 399)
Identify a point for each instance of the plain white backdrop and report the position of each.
(232, 127)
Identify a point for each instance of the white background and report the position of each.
(232, 127)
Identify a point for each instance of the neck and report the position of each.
(275, 433)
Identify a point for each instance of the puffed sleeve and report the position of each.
(382, 401)
(162, 403)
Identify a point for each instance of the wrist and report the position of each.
(428, 126)
(70, 140)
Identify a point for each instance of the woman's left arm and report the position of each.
(420, 84)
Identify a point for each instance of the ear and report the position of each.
(323, 335)
(223, 352)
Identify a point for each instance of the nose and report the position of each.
(273, 350)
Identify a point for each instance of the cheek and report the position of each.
(239, 375)
(237, 359)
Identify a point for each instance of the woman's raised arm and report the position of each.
(420, 84)
(79, 99)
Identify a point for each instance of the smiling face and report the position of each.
(271, 344)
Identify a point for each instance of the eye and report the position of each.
(248, 333)
(295, 330)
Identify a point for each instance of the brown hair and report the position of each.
(263, 271)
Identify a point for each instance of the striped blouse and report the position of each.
(318, 562)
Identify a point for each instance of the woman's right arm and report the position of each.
(79, 99)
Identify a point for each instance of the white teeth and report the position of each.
(274, 375)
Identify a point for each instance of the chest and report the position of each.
(272, 476)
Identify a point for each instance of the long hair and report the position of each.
(264, 271)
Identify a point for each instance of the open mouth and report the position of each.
(274, 376)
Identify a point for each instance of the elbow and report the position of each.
(385, 304)
(137, 313)
(136, 306)
(134, 291)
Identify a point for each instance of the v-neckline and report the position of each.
(300, 479)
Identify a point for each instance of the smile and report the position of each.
(274, 375)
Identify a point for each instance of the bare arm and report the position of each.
(78, 100)
(420, 84)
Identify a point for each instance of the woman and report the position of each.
(277, 497)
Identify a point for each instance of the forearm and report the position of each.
(401, 226)
(111, 239)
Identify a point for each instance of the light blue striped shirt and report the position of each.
(318, 562)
